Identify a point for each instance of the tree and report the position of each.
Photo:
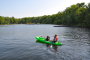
(87, 17)
(11, 21)
(80, 15)
(7, 20)
(2, 20)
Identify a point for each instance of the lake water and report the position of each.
(17, 42)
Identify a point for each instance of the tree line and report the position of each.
(78, 15)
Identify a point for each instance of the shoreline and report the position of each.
(51, 24)
(16, 24)
(68, 26)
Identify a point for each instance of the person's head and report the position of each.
(47, 36)
(55, 34)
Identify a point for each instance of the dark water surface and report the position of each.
(17, 42)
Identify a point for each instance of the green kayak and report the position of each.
(43, 40)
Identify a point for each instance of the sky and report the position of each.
(34, 8)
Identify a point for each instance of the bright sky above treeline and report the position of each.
(34, 8)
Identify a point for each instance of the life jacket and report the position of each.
(55, 38)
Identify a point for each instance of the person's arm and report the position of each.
(49, 38)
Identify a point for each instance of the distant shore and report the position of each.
(68, 26)
(10, 24)
(52, 24)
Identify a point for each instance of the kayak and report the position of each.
(43, 40)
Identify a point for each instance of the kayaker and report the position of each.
(55, 38)
(47, 38)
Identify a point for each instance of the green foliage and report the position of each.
(78, 14)
(87, 17)
(2, 20)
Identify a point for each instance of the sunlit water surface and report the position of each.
(17, 42)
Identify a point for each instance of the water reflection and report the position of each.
(55, 48)
(50, 47)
